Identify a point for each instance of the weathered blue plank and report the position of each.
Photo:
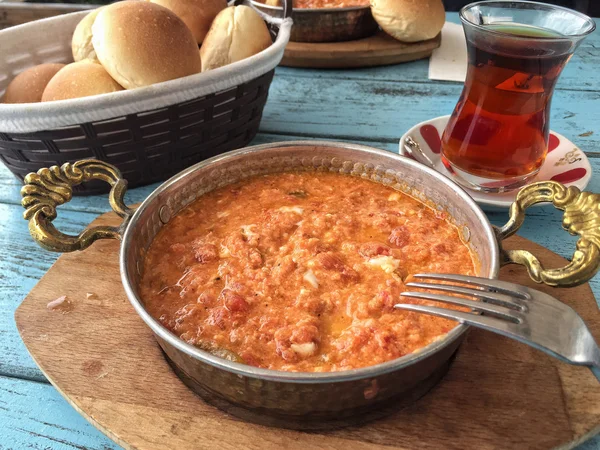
(576, 75)
(379, 111)
(35, 416)
(591, 444)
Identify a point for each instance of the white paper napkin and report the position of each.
(449, 61)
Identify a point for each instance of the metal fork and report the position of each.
(515, 311)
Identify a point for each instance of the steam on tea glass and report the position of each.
(497, 137)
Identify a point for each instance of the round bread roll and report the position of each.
(141, 43)
(409, 20)
(237, 32)
(29, 85)
(198, 15)
(80, 79)
(81, 44)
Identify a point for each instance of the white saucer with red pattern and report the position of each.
(565, 162)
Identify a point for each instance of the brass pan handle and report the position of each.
(581, 217)
(50, 187)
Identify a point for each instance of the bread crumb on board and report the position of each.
(61, 304)
(91, 296)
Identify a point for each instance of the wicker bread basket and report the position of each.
(149, 133)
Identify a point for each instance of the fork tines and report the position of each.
(495, 299)
(526, 315)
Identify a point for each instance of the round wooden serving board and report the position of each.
(105, 362)
(377, 50)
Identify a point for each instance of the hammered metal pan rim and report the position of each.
(310, 10)
(245, 370)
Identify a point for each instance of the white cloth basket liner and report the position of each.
(49, 40)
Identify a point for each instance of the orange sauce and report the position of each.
(300, 271)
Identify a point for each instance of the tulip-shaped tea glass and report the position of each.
(497, 137)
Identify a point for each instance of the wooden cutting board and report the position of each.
(105, 362)
(377, 50)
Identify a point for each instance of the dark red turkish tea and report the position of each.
(497, 137)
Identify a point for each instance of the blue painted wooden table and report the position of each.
(370, 106)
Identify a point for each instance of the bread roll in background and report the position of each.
(141, 43)
(81, 44)
(80, 79)
(198, 15)
(409, 20)
(238, 32)
(29, 85)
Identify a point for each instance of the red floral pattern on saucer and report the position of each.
(564, 163)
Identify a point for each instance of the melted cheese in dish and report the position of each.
(300, 271)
